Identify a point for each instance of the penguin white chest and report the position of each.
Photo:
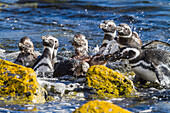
(44, 65)
(146, 74)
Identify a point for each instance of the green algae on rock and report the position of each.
(109, 83)
(98, 106)
(18, 84)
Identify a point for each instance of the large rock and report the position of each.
(19, 85)
(109, 83)
(97, 106)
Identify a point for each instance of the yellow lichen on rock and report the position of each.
(20, 84)
(109, 83)
(98, 106)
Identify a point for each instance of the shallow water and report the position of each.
(65, 18)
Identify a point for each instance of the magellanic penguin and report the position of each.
(109, 44)
(44, 65)
(27, 57)
(67, 66)
(126, 37)
(149, 64)
(80, 44)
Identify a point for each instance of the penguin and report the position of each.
(149, 64)
(126, 37)
(26, 57)
(80, 45)
(81, 69)
(73, 66)
(44, 65)
(109, 44)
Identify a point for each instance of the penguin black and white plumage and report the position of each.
(80, 44)
(27, 57)
(126, 37)
(149, 64)
(109, 44)
(54, 58)
(44, 65)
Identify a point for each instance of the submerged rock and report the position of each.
(97, 106)
(18, 84)
(109, 83)
(59, 87)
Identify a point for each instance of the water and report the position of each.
(65, 18)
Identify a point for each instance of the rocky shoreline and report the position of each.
(19, 85)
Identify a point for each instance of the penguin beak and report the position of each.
(43, 37)
(102, 25)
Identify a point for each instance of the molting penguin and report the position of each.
(149, 64)
(109, 44)
(127, 37)
(44, 65)
(27, 57)
(80, 44)
(73, 67)
(80, 71)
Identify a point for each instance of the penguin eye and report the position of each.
(110, 25)
(125, 52)
(126, 29)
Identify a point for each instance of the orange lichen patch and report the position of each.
(19, 83)
(109, 83)
(97, 106)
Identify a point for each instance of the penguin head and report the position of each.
(108, 26)
(49, 41)
(26, 45)
(124, 30)
(129, 53)
(79, 40)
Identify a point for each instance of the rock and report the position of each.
(18, 84)
(98, 106)
(59, 87)
(109, 83)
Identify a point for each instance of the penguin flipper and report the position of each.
(136, 38)
(159, 73)
(158, 76)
